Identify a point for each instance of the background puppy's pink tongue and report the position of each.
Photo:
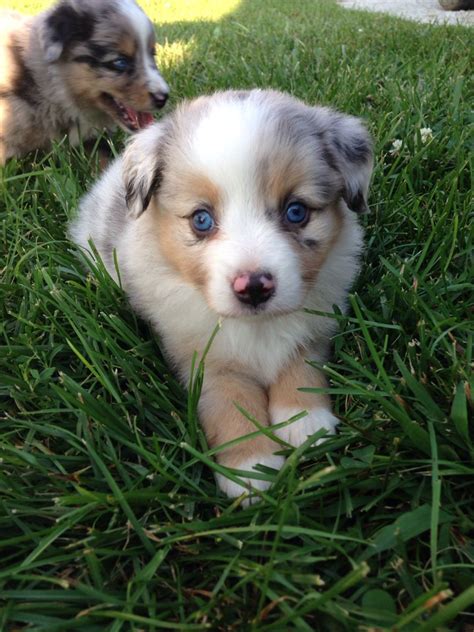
(132, 115)
(138, 119)
(144, 119)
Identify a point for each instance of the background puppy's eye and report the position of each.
(296, 213)
(121, 64)
(202, 221)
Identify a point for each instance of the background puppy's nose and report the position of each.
(253, 288)
(158, 99)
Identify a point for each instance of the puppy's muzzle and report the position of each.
(254, 288)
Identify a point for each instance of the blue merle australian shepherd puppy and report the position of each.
(79, 67)
(239, 208)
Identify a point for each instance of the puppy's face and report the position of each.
(250, 193)
(106, 49)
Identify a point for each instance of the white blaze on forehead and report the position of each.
(227, 148)
(144, 29)
(139, 20)
(225, 145)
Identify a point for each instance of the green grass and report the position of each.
(109, 515)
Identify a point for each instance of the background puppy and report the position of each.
(77, 68)
(242, 207)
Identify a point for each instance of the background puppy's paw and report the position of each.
(297, 432)
(233, 489)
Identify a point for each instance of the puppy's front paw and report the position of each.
(298, 431)
(233, 489)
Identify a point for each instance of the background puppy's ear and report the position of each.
(142, 168)
(64, 25)
(350, 148)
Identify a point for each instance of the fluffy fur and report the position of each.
(60, 74)
(245, 158)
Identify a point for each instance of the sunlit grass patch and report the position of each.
(171, 54)
(165, 11)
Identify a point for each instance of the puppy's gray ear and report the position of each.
(142, 168)
(64, 24)
(350, 148)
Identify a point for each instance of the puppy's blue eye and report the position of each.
(203, 221)
(121, 64)
(296, 213)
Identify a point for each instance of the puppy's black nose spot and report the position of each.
(158, 99)
(255, 288)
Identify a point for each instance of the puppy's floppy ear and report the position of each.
(64, 24)
(349, 146)
(142, 168)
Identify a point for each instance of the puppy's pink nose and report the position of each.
(254, 288)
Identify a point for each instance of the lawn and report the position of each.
(109, 514)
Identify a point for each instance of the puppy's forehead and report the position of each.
(137, 20)
(118, 21)
(250, 143)
(223, 143)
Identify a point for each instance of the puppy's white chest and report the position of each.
(262, 347)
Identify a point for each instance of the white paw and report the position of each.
(298, 431)
(233, 489)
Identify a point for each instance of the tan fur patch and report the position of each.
(293, 169)
(312, 259)
(171, 232)
(222, 422)
(177, 241)
(83, 83)
(127, 45)
(284, 392)
(8, 68)
(87, 89)
(205, 190)
(282, 179)
(282, 176)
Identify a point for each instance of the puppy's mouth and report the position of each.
(256, 313)
(259, 312)
(129, 119)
